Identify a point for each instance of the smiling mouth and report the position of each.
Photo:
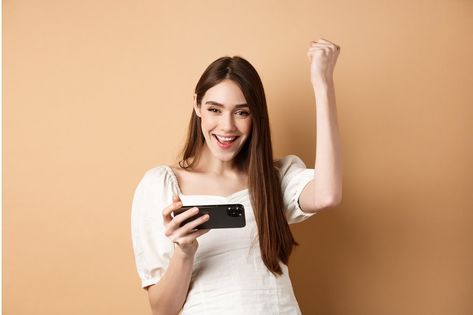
(225, 140)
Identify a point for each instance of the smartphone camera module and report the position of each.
(234, 211)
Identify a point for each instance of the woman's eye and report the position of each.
(213, 110)
(243, 113)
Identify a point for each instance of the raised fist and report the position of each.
(322, 56)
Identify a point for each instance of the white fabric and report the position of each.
(229, 276)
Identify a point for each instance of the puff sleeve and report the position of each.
(294, 177)
(152, 249)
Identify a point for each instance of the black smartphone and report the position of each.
(220, 216)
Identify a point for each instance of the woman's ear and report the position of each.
(196, 108)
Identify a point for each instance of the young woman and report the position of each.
(228, 159)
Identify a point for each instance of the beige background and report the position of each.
(97, 92)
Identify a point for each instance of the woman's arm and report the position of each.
(170, 293)
(325, 190)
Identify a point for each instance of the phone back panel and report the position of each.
(220, 216)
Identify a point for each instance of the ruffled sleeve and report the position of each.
(294, 177)
(152, 249)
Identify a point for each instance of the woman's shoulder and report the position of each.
(287, 162)
(158, 175)
(156, 171)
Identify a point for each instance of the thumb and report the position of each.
(176, 198)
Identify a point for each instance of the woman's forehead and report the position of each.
(226, 93)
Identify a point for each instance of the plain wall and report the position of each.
(97, 92)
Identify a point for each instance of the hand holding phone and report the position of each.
(184, 236)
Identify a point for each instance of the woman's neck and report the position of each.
(208, 163)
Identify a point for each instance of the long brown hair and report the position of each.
(255, 158)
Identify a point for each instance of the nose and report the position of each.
(227, 123)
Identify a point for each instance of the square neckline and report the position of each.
(176, 184)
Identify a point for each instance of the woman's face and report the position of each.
(225, 119)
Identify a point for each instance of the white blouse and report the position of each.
(229, 276)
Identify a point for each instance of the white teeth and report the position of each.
(226, 138)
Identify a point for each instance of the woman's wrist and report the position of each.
(184, 254)
(322, 81)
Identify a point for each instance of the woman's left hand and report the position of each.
(322, 56)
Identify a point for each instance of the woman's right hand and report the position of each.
(183, 236)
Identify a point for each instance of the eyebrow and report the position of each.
(221, 105)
